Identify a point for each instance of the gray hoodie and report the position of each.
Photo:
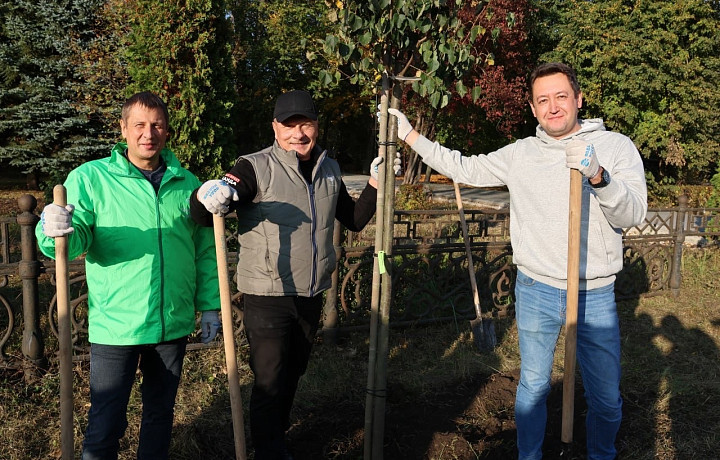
(535, 173)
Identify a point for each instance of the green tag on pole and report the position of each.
(381, 261)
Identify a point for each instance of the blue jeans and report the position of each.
(540, 311)
(112, 374)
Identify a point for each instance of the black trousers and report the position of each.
(280, 331)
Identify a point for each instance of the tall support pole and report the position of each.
(372, 393)
(386, 283)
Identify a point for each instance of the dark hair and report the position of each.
(148, 100)
(551, 68)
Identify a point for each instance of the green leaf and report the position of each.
(430, 85)
(331, 43)
(476, 93)
(435, 99)
(416, 86)
(345, 50)
(460, 88)
(445, 100)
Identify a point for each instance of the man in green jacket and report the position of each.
(149, 268)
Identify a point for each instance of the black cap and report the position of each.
(293, 103)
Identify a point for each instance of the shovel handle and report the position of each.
(571, 315)
(62, 278)
(229, 337)
(468, 251)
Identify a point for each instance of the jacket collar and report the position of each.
(289, 157)
(119, 164)
(586, 126)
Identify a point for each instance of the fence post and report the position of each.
(676, 269)
(330, 313)
(29, 268)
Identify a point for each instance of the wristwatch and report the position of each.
(604, 180)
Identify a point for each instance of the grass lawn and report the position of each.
(444, 399)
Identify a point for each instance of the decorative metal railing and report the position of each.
(428, 267)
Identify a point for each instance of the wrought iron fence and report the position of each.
(428, 266)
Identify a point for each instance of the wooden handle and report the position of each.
(468, 251)
(571, 315)
(64, 335)
(229, 337)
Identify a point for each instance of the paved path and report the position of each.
(484, 197)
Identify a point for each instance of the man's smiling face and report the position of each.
(555, 105)
(146, 131)
(297, 133)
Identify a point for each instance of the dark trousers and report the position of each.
(280, 331)
(112, 374)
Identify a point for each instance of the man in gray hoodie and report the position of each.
(535, 170)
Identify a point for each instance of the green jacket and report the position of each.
(149, 267)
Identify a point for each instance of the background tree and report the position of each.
(273, 40)
(44, 131)
(182, 51)
(277, 43)
(651, 70)
(103, 70)
(500, 112)
(447, 47)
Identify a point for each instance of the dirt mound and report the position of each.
(469, 420)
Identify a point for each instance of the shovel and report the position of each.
(483, 331)
(229, 338)
(64, 334)
(571, 314)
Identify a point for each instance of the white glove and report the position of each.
(56, 220)
(580, 155)
(403, 125)
(374, 167)
(216, 196)
(397, 164)
(210, 324)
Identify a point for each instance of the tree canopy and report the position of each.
(455, 58)
(649, 68)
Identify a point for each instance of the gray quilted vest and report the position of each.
(286, 234)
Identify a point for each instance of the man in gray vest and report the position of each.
(287, 198)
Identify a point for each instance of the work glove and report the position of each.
(403, 125)
(56, 220)
(580, 155)
(216, 196)
(397, 164)
(374, 167)
(210, 324)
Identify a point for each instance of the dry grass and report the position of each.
(436, 381)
